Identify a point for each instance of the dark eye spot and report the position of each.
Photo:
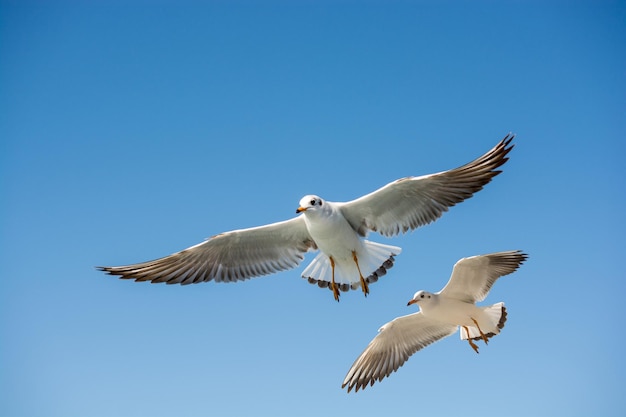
(312, 202)
(422, 296)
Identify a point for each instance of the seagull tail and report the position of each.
(496, 318)
(374, 263)
(379, 259)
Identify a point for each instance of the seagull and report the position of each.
(440, 315)
(337, 229)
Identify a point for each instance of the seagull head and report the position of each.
(420, 297)
(310, 202)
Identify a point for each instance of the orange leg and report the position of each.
(333, 286)
(364, 286)
(481, 332)
(469, 339)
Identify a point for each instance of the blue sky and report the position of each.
(131, 130)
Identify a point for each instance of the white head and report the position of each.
(310, 203)
(421, 297)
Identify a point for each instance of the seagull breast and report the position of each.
(331, 232)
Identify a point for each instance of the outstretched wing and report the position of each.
(395, 342)
(411, 202)
(473, 277)
(230, 256)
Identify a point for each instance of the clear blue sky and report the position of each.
(131, 130)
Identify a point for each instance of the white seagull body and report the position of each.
(345, 261)
(440, 315)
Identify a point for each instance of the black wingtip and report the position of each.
(507, 140)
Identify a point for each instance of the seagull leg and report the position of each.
(364, 286)
(469, 339)
(333, 286)
(481, 332)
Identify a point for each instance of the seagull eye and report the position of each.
(312, 202)
(422, 296)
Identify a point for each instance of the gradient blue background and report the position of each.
(131, 130)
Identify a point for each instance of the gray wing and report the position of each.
(395, 342)
(473, 277)
(411, 202)
(231, 256)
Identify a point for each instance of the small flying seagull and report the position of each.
(440, 315)
(345, 259)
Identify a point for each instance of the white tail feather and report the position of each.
(490, 322)
(375, 258)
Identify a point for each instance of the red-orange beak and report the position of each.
(300, 209)
(411, 302)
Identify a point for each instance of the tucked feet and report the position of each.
(364, 287)
(481, 332)
(333, 285)
(469, 340)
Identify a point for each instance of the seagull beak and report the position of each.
(300, 209)
(411, 302)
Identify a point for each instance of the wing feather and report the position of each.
(411, 202)
(232, 256)
(473, 277)
(392, 347)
